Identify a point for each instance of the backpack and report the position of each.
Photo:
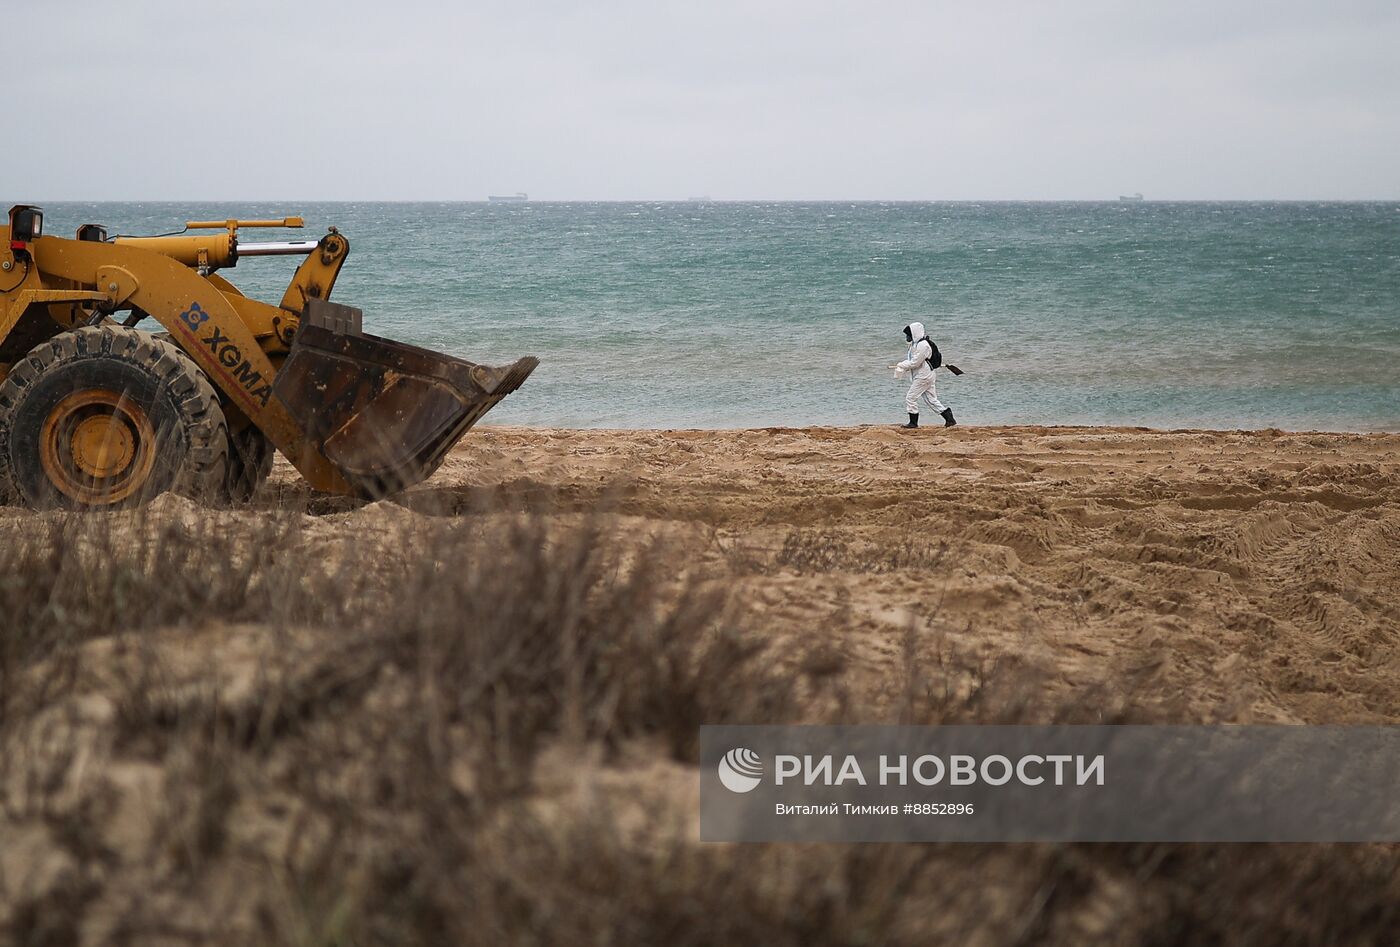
(935, 358)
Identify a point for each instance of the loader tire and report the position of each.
(250, 454)
(250, 458)
(104, 417)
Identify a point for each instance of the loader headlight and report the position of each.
(26, 223)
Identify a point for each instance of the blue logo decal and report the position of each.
(194, 317)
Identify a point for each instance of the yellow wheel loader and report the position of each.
(98, 410)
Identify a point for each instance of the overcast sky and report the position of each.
(737, 99)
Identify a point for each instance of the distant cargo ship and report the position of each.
(1131, 198)
(516, 198)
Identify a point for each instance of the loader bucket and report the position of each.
(383, 412)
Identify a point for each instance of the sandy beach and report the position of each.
(470, 712)
(458, 517)
(1250, 576)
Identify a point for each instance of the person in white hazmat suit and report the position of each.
(922, 387)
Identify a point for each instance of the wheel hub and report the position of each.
(102, 448)
(97, 447)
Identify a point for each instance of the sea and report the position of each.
(724, 314)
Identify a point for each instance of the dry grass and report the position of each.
(478, 729)
(814, 552)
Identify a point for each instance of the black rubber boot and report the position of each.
(913, 421)
(948, 417)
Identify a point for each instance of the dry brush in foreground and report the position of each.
(480, 729)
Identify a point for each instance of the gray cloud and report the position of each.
(786, 100)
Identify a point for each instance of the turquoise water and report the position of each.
(717, 315)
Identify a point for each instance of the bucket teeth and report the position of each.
(502, 381)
